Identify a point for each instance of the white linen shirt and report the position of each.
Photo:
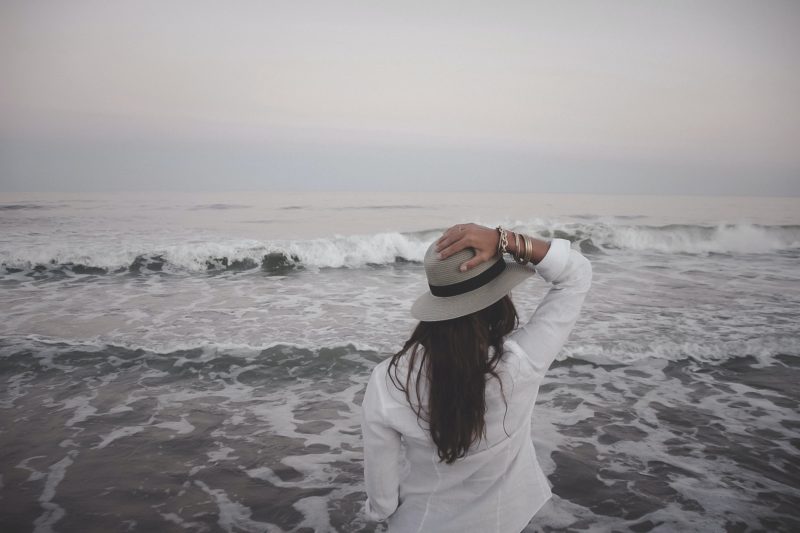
(498, 486)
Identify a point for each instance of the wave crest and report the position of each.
(388, 248)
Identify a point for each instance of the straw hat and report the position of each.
(453, 293)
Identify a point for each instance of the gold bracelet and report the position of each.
(528, 249)
(518, 256)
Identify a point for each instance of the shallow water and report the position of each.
(200, 370)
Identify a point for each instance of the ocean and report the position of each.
(196, 362)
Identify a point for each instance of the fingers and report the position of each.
(442, 242)
(475, 261)
(461, 236)
(452, 230)
(454, 243)
(450, 236)
(454, 247)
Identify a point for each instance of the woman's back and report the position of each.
(498, 484)
(496, 470)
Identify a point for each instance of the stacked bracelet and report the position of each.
(522, 244)
(528, 249)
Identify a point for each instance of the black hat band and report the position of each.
(470, 284)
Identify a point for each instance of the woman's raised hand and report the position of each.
(484, 240)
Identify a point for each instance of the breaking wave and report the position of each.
(386, 248)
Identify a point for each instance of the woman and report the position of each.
(446, 421)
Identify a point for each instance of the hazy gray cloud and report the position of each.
(681, 97)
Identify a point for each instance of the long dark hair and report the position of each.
(455, 355)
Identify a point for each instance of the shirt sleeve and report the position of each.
(570, 275)
(381, 455)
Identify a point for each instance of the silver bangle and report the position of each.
(502, 244)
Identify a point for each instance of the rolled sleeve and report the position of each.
(381, 455)
(555, 260)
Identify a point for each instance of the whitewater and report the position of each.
(201, 357)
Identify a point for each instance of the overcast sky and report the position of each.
(613, 96)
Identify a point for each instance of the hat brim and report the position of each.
(430, 308)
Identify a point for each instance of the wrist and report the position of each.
(496, 240)
(502, 240)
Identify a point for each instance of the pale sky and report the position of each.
(695, 97)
